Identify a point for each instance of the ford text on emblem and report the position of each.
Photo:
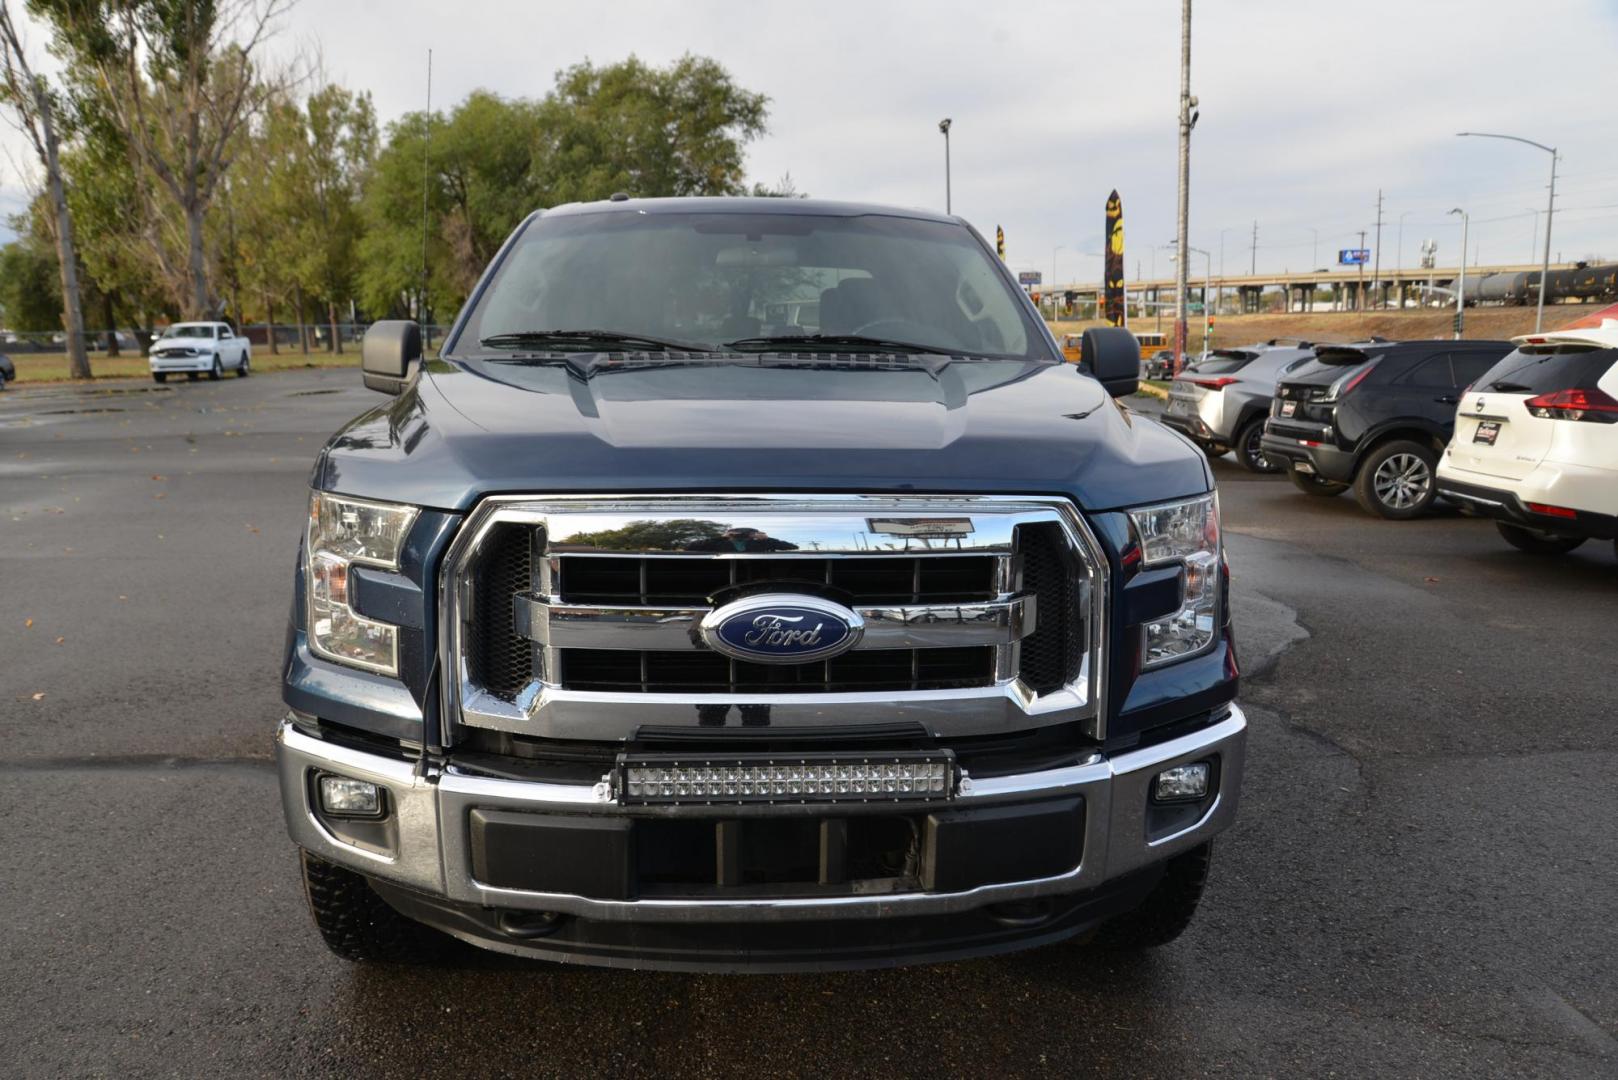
(782, 628)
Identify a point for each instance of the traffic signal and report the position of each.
(1000, 242)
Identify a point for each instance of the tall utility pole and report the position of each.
(944, 126)
(1460, 284)
(1252, 268)
(1359, 304)
(1376, 272)
(1181, 240)
(1550, 209)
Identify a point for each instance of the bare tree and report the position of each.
(177, 78)
(34, 109)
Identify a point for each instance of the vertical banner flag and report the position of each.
(1113, 270)
(1000, 242)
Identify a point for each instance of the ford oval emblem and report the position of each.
(782, 628)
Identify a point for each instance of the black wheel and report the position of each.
(215, 371)
(1536, 542)
(1167, 909)
(1310, 484)
(160, 376)
(191, 376)
(1247, 448)
(241, 372)
(1396, 480)
(357, 924)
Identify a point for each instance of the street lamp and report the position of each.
(1550, 208)
(1460, 286)
(944, 126)
(1400, 258)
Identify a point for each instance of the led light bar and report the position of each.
(780, 779)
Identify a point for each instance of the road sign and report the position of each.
(1029, 277)
(1353, 256)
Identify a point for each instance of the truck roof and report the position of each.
(729, 204)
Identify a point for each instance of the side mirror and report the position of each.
(389, 348)
(1111, 356)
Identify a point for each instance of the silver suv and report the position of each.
(1221, 401)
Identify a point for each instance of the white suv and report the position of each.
(1536, 441)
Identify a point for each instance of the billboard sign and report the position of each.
(1353, 256)
(1026, 278)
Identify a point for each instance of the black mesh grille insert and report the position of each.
(1051, 654)
(499, 660)
(710, 673)
(689, 582)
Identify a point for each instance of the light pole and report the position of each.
(1535, 242)
(1400, 256)
(944, 126)
(1460, 285)
(1550, 209)
(1054, 250)
(1183, 207)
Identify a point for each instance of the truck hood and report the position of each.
(757, 423)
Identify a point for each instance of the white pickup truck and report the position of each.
(195, 348)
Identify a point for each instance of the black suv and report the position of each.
(1374, 416)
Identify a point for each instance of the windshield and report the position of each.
(189, 330)
(711, 279)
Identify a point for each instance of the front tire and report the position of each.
(241, 370)
(1310, 484)
(357, 924)
(215, 371)
(1248, 448)
(160, 376)
(1167, 909)
(1536, 542)
(1396, 480)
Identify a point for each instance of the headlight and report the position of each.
(344, 533)
(1187, 533)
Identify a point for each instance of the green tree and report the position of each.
(647, 131)
(178, 79)
(37, 108)
(30, 290)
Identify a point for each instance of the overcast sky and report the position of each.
(1307, 109)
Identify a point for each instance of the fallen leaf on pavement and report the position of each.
(40, 696)
(28, 624)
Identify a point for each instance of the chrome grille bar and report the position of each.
(903, 626)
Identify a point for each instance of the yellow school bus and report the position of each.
(1150, 340)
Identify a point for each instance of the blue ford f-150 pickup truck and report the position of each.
(748, 584)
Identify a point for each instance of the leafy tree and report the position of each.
(178, 79)
(37, 110)
(647, 131)
(30, 289)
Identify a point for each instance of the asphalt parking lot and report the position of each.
(1421, 881)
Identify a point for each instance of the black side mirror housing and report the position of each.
(387, 353)
(1111, 356)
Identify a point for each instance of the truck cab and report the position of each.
(748, 584)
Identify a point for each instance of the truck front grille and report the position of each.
(552, 619)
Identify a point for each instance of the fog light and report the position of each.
(343, 796)
(1182, 783)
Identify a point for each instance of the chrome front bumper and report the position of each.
(432, 847)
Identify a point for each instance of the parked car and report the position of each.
(197, 348)
(1536, 442)
(705, 640)
(8, 370)
(1374, 416)
(1221, 402)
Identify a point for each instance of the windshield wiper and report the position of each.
(586, 338)
(843, 342)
